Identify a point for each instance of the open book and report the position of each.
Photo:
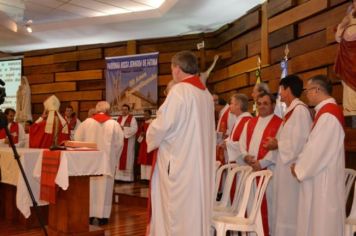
(80, 145)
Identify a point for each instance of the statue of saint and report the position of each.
(23, 101)
(345, 65)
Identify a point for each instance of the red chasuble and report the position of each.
(123, 158)
(332, 109)
(40, 139)
(270, 131)
(238, 130)
(14, 131)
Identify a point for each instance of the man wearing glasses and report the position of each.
(320, 166)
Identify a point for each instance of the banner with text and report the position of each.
(132, 80)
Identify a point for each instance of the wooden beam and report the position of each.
(243, 66)
(275, 7)
(80, 75)
(131, 48)
(322, 21)
(265, 60)
(53, 87)
(231, 84)
(115, 51)
(296, 14)
(282, 36)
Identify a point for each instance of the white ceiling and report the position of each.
(60, 23)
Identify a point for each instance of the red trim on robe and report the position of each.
(123, 157)
(332, 109)
(101, 117)
(40, 139)
(195, 81)
(50, 166)
(222, 127)
(14, 129)
(144, 158)
(270, 131)
(237, 132)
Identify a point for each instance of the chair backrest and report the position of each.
(350, 175)
(256, 185)
(219, 174)
(217, 165)
(353, 208)
(239, 173)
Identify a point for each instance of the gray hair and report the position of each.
(323, 82)
(242, 99)
(186, 61)
(102, 106)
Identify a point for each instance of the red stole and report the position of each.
(222, 126)
(270, 131)
(332, 109)
(237, 132)
(195, 81)
(144, 158)
(101, 117)
(123, 158)
(14, 131)
(289, 113)
(50, 165)
(72, 123)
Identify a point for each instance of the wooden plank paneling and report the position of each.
(79, 75)
(239, 27)
(164, 79)
(115, 51)
(94, 95)
(131, 48)
(253, 48)
(231, 84)
(277, 6)
(218, 75)
(42, 60)
(322, 21)
(90, 54)
(86, 105)
(314, 59)
(49, 51)
(53, 87)
(330, 34)
(40, 78)
(243, 66)
(265, 60)
(296, 14)
(281, 36)
(92, 64)
(45, 69)
(300, 46)
(245, 39)
(91, 85)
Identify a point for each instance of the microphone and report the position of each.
(55, 145)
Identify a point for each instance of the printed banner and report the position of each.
(132, 80)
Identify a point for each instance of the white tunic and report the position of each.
(21, 137)
(109, 138)
(183, 179)
(320, 168)
(129, 133)
(231, 120)
(233, 147)
(292, 138)
(268, 161)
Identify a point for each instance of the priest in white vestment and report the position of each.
(107, 134)
(320, 167)
(125, 166)
(238, 107)
(254, 152)
(291, 140)
(182, 183)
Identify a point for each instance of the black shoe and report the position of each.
(219, 196)
(91, 220)
(103, 221)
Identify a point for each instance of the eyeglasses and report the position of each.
(309, 89)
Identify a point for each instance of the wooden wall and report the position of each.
(76, 74)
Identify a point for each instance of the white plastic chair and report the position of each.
(350, 223)
(252, 222)
(225, 206)
(217, 165)
(219, 174)
(350, 175)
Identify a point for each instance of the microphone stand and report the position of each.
(3, 124)
(55, 145)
